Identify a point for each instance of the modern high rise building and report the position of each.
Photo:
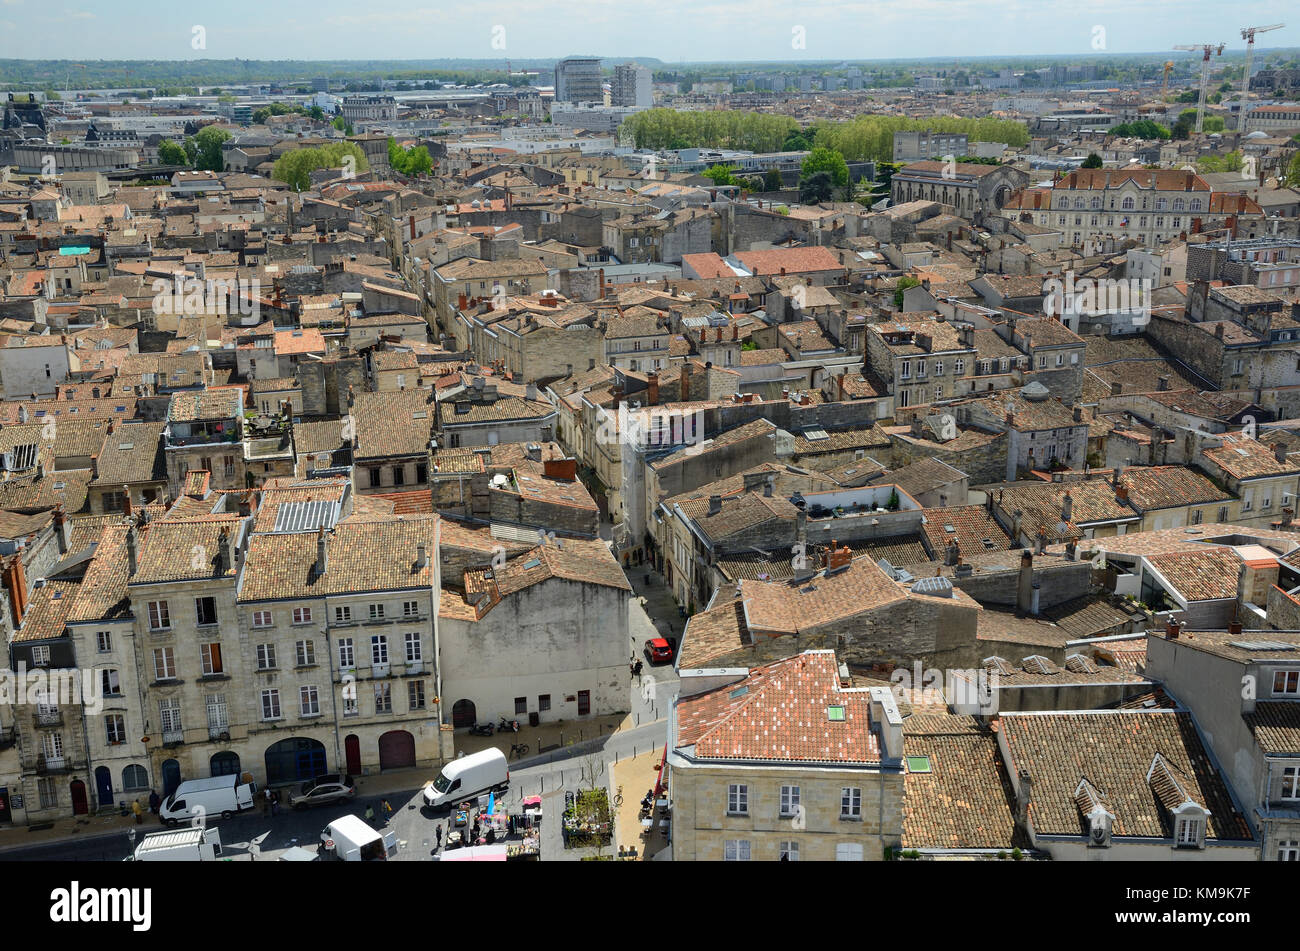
(577, 79)
(631, 86)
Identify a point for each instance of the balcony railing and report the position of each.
(49, 718)
(218, 732)
(173, 736)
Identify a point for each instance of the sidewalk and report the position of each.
(636, 776)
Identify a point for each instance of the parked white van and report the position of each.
(469, 776)
(206, 799)
(351, 840)
(181, 845)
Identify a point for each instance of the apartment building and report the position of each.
(751, 781)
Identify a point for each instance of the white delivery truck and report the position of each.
(349, 839)
(469, 776)
(180, 845)
(204, 799)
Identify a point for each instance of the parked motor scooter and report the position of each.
(482, 729)
(508, 725)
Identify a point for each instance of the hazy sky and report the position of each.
(671, 30)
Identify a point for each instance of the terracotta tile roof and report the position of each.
(133, 453)
(966, 800)
(779, 713)
(1209, 575)
(374, 555)
(504, 409)
(1157, 179)
(194, 405)
(103, 592)
(1115, 751)
(47, 611)
(394, 423)
(1244, 458)
(1275, 726)
(871, 437)
(794, 260)
(1160, 487)
(187, 549)
(788, 608)
(970, 526)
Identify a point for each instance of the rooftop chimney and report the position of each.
(1234, 628)
(1067, 507)
(838, 557)
(1218, 330)
(322, 556)
(421, 555)
(715, 504)
(1078, 414)
(1279, 452)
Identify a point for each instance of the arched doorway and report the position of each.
(225, 764)
(104, 786)
(352, 751)
(79, 805)
(462, 714)
(171, 776)
(396, 750)
(293, 760)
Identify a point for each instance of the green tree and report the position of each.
(316, 113)
(1292, 177)
(903, 284)
(294, 168)
(169, 153)
(829, 161)
(191, 150)
(1092, 161)
(815, 188)
(1142, 129)
(772, 180)
(1229, 162)
(208, 140)
(412, 161)
(719, 175)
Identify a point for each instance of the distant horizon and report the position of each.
(679, 33)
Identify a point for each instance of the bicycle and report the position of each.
(618, 797)
(518, 750)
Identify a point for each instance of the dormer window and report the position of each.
(1190, 831)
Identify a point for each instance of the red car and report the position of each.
(659, 651)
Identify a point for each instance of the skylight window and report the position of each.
(918, 764)
(835, 714)
(738, 693)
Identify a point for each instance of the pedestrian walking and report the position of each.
(437, 833)
(388, 811)
(154, 801)
(275, 803)
(138, 810)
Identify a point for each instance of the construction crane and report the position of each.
(1208, 50)
(1164, 87)
(1248, 34)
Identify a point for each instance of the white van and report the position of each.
(349, 839)
(206, 799)
(181, 845)
(468, 776)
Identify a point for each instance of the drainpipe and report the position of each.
(437, 644)
(334, 700)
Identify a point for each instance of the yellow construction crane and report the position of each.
(1207, 50)
(1164, 87)
(1248, 34)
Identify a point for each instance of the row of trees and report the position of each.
(867, 138)
(1141, 129)
(294, 168)
(871, 138)
(734, 129)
